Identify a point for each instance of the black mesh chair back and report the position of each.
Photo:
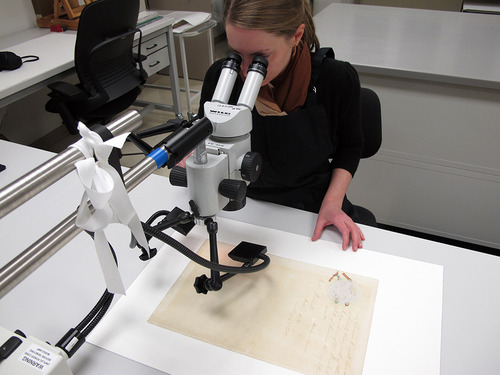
(109, 78)
(103, 53)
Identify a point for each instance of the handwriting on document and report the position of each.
(293, 314)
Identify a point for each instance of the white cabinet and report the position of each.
(154, 48)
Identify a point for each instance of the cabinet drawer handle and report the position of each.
(153, 46)
(156, 63)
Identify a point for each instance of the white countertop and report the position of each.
(55, 52)
(450, 47)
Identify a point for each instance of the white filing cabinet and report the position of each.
(154, 47)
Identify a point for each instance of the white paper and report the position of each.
(105, 190)
(288, 314)
(405, 335)
(187, 20)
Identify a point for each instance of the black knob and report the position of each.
(200, 284)
(251, 166)
(178, 176)
(233, 189)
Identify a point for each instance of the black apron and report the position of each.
(295, 149)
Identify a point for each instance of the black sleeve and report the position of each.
(341, 97)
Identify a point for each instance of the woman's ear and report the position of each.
(299, 33)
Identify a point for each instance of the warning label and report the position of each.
(39, 358)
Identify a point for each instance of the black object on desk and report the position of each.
(2, 167)
(11, 61)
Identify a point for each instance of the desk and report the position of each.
(437, 77)
(59, 293)
(30, 77)
(56, 52)
(437, 46)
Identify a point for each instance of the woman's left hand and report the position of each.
(333, 215)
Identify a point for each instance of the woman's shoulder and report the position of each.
(337, 79)
(333, 70)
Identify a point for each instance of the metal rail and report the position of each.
(34, 256)
(37, 180)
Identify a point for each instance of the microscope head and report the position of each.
(218, 170)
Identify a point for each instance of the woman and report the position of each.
(309, 137)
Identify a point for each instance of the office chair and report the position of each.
(371, 122)
(371, 125)
(110, 80)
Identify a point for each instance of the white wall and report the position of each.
(15, 16)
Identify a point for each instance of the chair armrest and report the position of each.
(66, 91)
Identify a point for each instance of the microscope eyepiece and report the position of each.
(255, 75)
(259, 64)
(233, 61)
(229, 72)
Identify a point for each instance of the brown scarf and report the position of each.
(288, 91)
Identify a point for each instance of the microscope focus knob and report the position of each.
(178, 176)
(251, 166)
(235, 190)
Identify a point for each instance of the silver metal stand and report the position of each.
(34, 182)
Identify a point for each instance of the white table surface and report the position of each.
(451, 47)
(61, 292)
(56, 53)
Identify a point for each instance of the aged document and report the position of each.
(311, 319)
